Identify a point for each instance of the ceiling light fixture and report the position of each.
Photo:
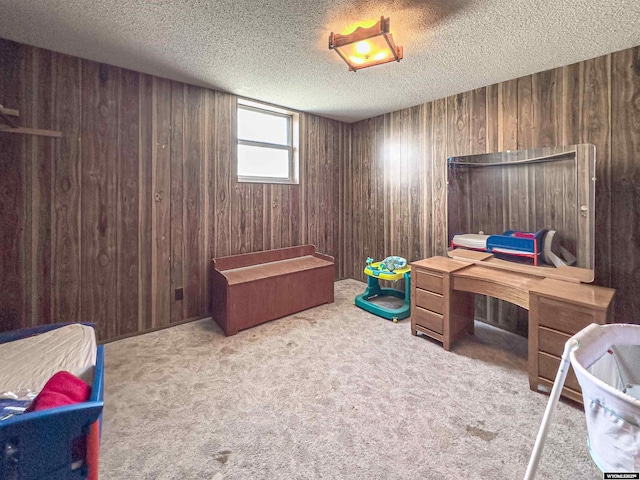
(366, 47)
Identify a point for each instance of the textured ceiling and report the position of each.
(277, 50)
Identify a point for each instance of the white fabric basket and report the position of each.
(606, 360)
(607, 364)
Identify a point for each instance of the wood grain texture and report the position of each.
(139, 193)
(161, 197)
(12, 186)
(375, 187)
(67, 168)
(625, 182)
(193, 190)
(222, 172)
(145, 203)
(439, 157)
(581, 103)
(39, 151)
(99, 196)
(177, 163)
(595, 107)
(128, 203)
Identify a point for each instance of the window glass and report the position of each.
(267, 143)
(262, 127)
(262, 162)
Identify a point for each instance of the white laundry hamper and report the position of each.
(606, 361)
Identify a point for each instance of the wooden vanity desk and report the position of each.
(442, 305)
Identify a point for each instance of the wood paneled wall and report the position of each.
(398, 165)
(105, 223)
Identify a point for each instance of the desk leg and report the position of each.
(533, 341)
(458, 313)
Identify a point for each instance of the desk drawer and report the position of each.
(552, 342)
(428, 319)
(429, 281)
(564, 317)
(548, 368)
(429, 301)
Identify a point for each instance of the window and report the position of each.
(267, 144)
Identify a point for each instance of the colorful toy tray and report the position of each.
(374, 270)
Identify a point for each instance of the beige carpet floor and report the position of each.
(333, 392)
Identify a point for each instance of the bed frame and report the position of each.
(40, 444)
(512, 243)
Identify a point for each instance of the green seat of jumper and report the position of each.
(375, 272)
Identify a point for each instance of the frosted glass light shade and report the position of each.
(366, 47)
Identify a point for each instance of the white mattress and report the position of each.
(471, 240)
(27, 364)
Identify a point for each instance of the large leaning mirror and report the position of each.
(528, 191)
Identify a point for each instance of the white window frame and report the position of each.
(292, 137)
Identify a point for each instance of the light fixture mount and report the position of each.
(366, 47)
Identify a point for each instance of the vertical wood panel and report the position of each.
(357, 214)
(128, 222)
(177, 162)
(194, 184)
(546, 131)
(333, 190)
(27, 92)
(380, 125)
(147, 288)
(595, 119)
(625, 182)
(572, 103)
(525, 114)
(208, 107)
(312, 187)
(162, 198)
(478, 121)
(368, 197)
(99, 196)
(12, 186)
(65, 229)
(457, 126)
(404, 214)
(276, 217)
(212, 154)
(428, 173)
(491, 118)
(303, 165)
(223, 172)
(241, 218)
(40, 115)
(439, 178)
(458, 123)
(416, 187)
(346, 259)
(257, 221)
(339, 206)
(294, 215)
(546, 108)
(326, 193)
